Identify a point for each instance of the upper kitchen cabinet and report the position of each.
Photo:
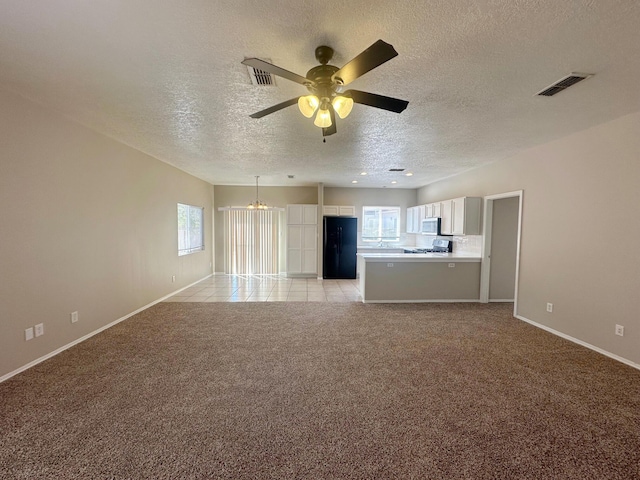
(302, 214)
(413, 220)
(461, 216)
(432, 210)
(339, 211)
(428, 210)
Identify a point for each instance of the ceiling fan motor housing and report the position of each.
(323, 86)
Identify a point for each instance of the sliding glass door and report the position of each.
(252, 241)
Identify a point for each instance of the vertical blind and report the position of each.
(251, 242)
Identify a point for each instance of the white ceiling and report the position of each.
(166, 78)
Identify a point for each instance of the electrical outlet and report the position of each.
(173, 278)
(74, 317)
(389, 264)
(549, 307)
(28, 334)
(39, 329)
(452, 265)
(620, 330)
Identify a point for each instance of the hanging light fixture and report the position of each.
(257, 205)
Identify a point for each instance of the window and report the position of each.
(190, 229)
(380, 224)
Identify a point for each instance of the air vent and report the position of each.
(564, 83)
(396, 169)
(260, 78)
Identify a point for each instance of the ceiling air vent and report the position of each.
(564, 83)
(396, 169)
(260, 78)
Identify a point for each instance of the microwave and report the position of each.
(431, 226)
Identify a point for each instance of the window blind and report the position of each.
(251, 242)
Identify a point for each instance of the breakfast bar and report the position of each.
(428, 277)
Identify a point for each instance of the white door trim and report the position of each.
(485, 268)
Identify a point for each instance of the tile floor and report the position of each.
(268, 288)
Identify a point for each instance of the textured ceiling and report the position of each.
(166, 78)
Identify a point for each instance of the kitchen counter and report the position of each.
(419, 277)
(420, 257)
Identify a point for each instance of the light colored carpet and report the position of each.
(299, 390)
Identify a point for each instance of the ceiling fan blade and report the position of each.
(332, 129)
(281, 72)
(379, 101)
(275, 108)
(374, 56)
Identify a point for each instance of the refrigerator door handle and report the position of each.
(339, 240)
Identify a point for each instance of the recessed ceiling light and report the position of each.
(394, 181)
(363, 173)
(408, 174)
(354, 181)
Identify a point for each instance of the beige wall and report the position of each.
(504, 240)
(580, 193)
(88, 225)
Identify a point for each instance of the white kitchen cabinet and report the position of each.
(347, 211)
(428, 210)
(446, 213)
(339, 211)
(466, 216)
(302, 214)
(432, 210)
(302, 240)
(413, 220)
(422, 214)
(461, 216)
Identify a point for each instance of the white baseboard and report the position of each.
(422, 301)
(580, 342)
(89, 335)
(501, 300)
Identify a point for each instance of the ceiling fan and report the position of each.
(325, 83)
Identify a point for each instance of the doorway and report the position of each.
(501, 248)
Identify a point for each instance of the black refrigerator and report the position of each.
(339, 247)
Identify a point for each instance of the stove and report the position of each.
(439, 246)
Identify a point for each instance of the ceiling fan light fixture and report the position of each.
(308, 104)
(323, 118)
(342, 105)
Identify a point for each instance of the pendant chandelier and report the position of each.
(257, 205)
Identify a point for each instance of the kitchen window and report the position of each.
(380, 224)
(190, 229)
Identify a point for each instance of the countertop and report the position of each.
(420, 257)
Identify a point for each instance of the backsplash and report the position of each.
(406, 240)
(468, 244)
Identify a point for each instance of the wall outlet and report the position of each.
(549, 307)
(389, 264)
(173, 278)
(39, 329)
(74, 317)
(28, 334)
(620, 330)
(452, 265)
